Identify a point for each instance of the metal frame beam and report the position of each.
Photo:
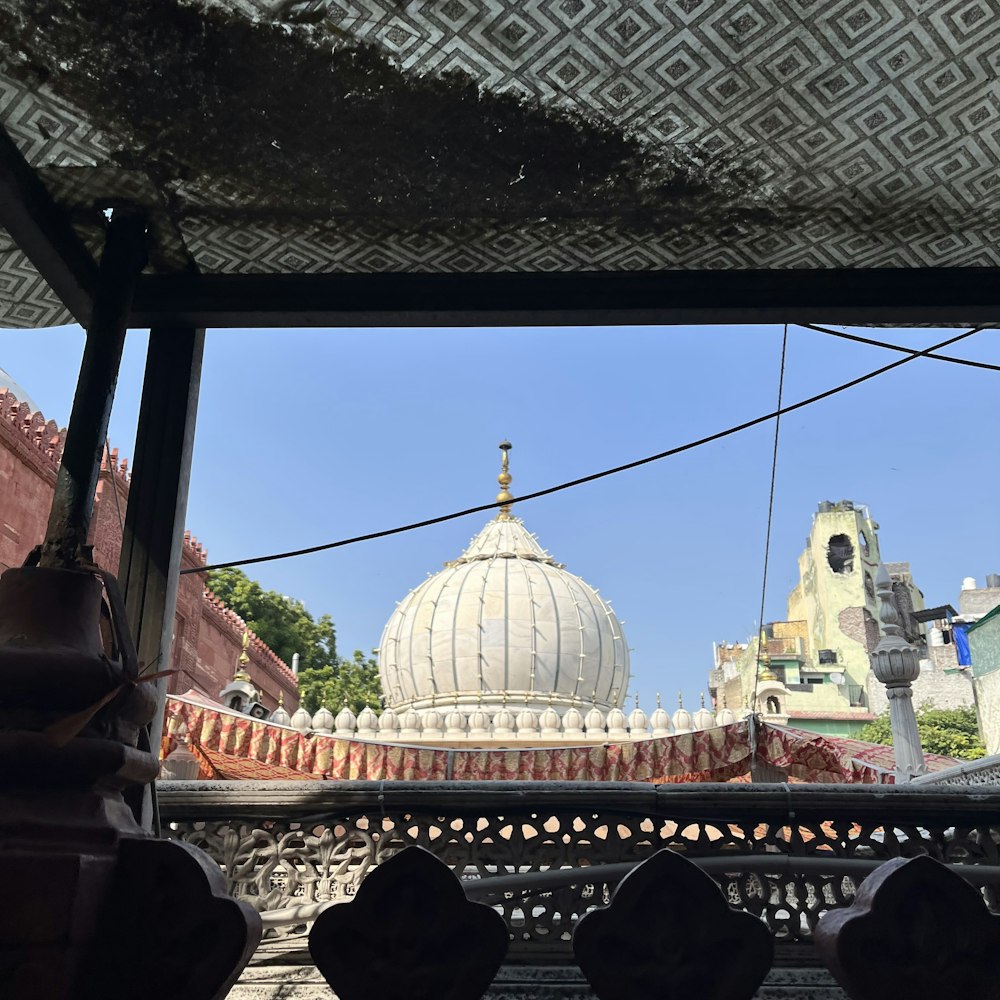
(73, 500)
(149, 567)
(43, 232)
(902, 296)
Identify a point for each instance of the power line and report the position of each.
(898, 347)
(770, 513)
(689, 446)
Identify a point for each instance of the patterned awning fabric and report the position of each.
(320, 136)
(233, 747)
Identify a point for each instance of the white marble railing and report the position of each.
(506, 723)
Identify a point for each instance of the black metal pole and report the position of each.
(149, 567)
(73, 504)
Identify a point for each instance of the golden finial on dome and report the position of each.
(242, 663)
(504, 479)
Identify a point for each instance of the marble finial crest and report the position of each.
(689, 935)
(916, 930)
(410, 931)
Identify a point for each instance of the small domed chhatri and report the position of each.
(504, 623)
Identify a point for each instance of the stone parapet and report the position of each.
(30, 453)
(457, 725)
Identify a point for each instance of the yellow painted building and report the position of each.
(819, 654)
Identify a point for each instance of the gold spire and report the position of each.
(504, 479)
(766, 673)
(244, 660)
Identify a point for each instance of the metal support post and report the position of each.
(73, 504)
(154, 523)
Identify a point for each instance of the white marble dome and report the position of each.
(503, 623)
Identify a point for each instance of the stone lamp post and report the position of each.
(896, 664)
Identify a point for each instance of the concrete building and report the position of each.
(947, 679)
(819, 654)
(984, 645)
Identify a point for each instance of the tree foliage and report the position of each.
(325, 679)
(952, 732)
(282, 622)
(351, 682)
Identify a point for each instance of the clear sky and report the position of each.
(306, 436)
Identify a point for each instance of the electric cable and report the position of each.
(770, 513)
(689, 446)
(897, 347)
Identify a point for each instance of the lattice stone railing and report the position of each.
(786, 853)
(985, 771)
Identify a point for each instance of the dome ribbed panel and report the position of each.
(550, 671)
(503, 622)
(504, 536)
(493, 623)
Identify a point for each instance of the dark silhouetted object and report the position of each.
(409, 933)
(915, 930)
(669, 933)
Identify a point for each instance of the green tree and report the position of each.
(952, 732)
(282, 622)
(352, 682)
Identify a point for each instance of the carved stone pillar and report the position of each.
(93, 905)
(896, 664)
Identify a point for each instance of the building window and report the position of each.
(773, 706)
(827, 656)
(863, 542)
(840, 554)
(856, 695)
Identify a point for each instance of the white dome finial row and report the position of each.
(507, 723)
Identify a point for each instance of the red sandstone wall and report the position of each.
(110, 503)
(29, 449)
(207, 635)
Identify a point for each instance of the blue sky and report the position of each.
(306, 436)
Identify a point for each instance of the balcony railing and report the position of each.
(544, 853)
